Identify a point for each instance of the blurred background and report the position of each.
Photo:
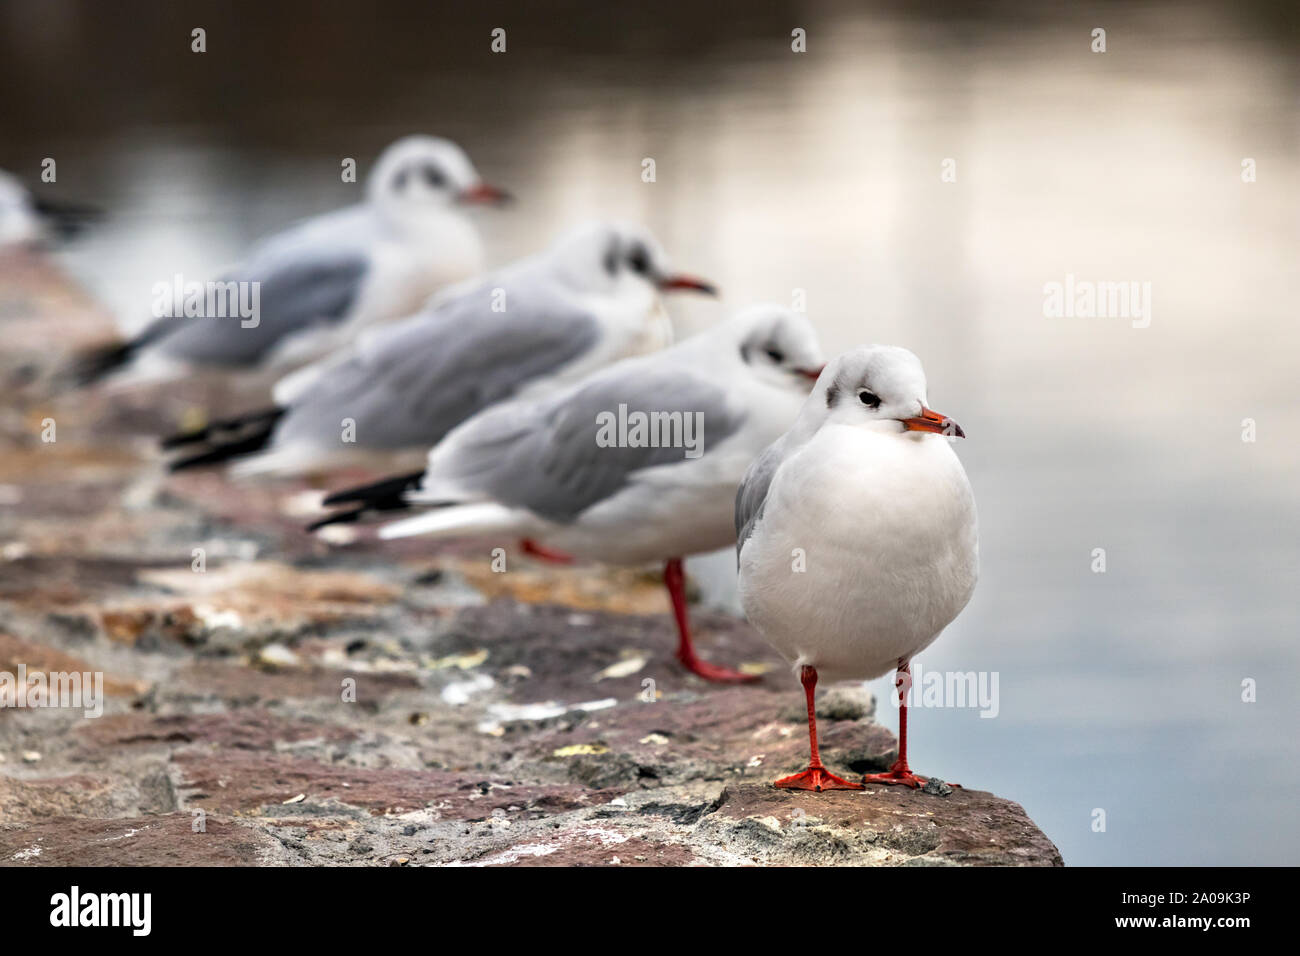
(820, 172)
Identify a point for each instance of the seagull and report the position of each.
(320, 281)
(589, 300)
(856, 536)
(28, 220)
(587, 471)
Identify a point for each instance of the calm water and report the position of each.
(821, 171)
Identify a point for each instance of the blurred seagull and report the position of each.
(317, 283)
(870, 490)
(587, 471)
(589, 300)
(27, 219)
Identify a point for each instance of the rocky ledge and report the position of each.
(270, 699)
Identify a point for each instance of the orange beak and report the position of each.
(930, 421)
(485, 194)
(668, 283)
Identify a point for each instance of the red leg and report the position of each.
(675, 580)
(900, 772)
(816, 777)
(531, 547)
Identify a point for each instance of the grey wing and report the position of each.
(556, 460)
(292, 295)
(751, 496)
(422, 378)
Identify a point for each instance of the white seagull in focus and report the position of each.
(318, 283)
(550, 319)
(866, 484)
(552, 471)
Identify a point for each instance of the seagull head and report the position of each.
(881, 387)
(604, 257)
(32, 218)
(779, 346)
(421, 173)
(19, 223)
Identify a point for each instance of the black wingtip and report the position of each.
(198, 461)
(97, 363)
(261, 419)
(343, 517)
(342, 497)
(388, 492)
(248, 445)
(184, 438)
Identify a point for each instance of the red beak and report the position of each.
(930, 421)
(668, 283)
(485, 194)
(812, 373)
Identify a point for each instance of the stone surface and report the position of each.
(293, 703)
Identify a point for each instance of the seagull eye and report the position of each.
(434, 177)
(870, 399)
(776, 355)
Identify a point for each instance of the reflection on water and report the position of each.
(821, 172)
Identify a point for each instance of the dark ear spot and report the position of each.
(832, 394)
(639, 259)
(744, 352)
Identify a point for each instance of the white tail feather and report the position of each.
(279, 462)
(287, 390)
(454, 521)
(144, 370)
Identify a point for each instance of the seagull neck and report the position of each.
(407, 222)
